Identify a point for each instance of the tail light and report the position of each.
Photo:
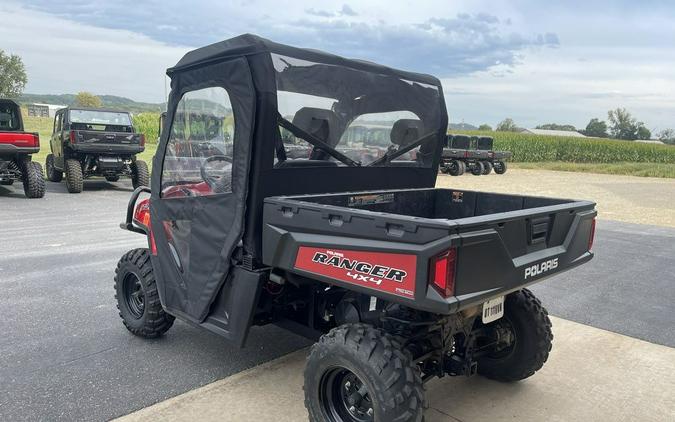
(142, 213)
(442, 272)
(36, 140)
(73, 136)
(142, 140)
(142, 218)
(466, 154)
(591, 238)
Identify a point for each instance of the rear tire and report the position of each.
(462, 168)
(361, 363)
(33, 179)
(477, 168)
(137, 297)
(74, 176)
(140, 175)
(455, 168)
(531, 327)
(500, 167)
(487, 167)
(53, 174)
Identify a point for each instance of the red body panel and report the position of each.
(20, 139)
(387, 272)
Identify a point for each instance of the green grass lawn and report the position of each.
(630, 169)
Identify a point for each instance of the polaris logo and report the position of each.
(541, 268)
(360, 270)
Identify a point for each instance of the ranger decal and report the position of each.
(388, 272)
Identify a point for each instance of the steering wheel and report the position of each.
(218, 184)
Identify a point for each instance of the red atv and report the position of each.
(16, 147)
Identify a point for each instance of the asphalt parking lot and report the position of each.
(64, 354)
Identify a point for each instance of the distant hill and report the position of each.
(109, 101)
(461, 126)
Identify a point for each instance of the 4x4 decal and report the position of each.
(389, 272)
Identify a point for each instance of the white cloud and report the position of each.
(63, 56)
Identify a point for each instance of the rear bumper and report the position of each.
(107, 149)
(9, 150)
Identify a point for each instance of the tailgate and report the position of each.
(499, 255)
(106, 139)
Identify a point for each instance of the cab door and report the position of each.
(55, 141)
(199, 184)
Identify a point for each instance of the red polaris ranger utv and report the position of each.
(16, 147)
(398, 281)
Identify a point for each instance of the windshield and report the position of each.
(9, 117)
(94, 117)
(365, 117)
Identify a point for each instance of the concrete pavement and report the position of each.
(591, 375)
(64, 354)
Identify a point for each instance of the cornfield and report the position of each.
(539, 148)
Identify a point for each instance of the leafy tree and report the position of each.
(596, 128)
(507, 125)
(13, 76)
(555, 126)
(643, 132)
(667, 136)
(485, 127)
(622, 125)
(87, 99)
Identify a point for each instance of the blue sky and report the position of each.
(536, 62)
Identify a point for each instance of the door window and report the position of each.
(199, 153)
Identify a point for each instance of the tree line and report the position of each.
(620, 124)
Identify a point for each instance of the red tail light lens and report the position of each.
(73, 137)
(592, 236)
(36, 140)
(142, 140)
(442, 272)
(142, 213)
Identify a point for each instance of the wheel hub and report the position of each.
(134, 295)
(345, 397)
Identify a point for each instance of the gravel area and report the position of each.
(643, 200)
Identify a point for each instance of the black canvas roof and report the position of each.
(249, 44)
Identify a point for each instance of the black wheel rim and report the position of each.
(505, 326)
(134, 295)
(344, 397)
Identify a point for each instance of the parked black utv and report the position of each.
(398, 281)
(16, 148)
(89, 142)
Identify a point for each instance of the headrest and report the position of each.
(316, 121)
(405, 131)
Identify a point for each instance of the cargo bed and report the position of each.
(502, 242)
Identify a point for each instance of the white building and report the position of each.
(554, 132)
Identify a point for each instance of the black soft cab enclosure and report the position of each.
(296, 187)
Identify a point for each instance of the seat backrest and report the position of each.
(405, 131)
(317, 121)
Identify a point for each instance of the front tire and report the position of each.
(33, 179)
(500, 167)
(487, 167)
(530, 326)
(140, 175)
(74, 176)
(53, 175)
(137, 297)
(359, 373)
